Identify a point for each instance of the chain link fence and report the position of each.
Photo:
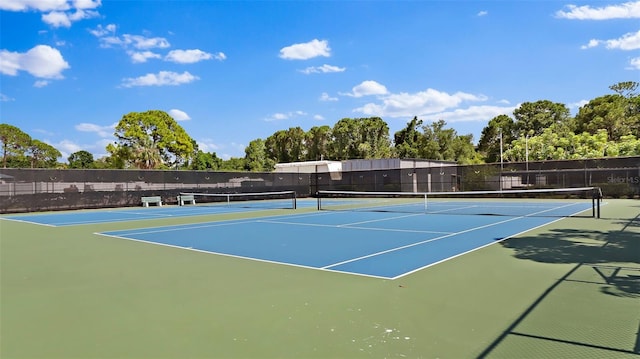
(29, 190)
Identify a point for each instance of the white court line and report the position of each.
(326, 268)
(441, 237)
(380, 220)
(477, 248)
(240, 257)
(29, 222)
(186, 226)
(350, 226)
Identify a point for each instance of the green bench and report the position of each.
(154, 199)
(182, 199)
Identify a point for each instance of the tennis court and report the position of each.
(384, 236)
(362, 277)
(91, 217)
(385, 245)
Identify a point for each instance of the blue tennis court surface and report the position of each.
(133, 214)
(376, 244)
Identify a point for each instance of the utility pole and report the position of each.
(501, 159)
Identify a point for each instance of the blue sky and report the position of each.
(234, 71)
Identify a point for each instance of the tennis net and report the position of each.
(566, 202)
(259, 200)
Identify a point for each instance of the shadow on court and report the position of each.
(592, 310)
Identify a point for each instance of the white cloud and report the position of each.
(162, 78)
(102, 131)
(305, 51)
(629, 10)
(66, 147)
(279, 116)
(577, 105)
(325, 97)
(64, 19)
(367, 88)
(107, 37)
(42, 61)
(57, 13)
(483, 13)
(592, 43)
(179, 115)
(322, 69)
(41, 83)
(634, 63)
(425, 102)
(38, 5)
(5, 98)
(187, 56)
(87, 4)
(143, 42)
(101, 31)
(207, 145)
(140, 57)
(318, 117)
(628, 41)
(471, 114)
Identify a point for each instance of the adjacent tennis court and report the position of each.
(221, 204)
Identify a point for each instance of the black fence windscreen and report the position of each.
(29, 190)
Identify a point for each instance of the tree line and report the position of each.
(607, 126)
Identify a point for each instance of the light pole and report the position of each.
(526, 156)
(526, 145)
(501, 159)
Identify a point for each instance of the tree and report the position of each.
(535, 117)
(256, 157)
(206, 161)
(81, 159)
(42, 155)
(14, 142)
(287, 145)
(464, 150)
(440, 143)
(375, 138)
(361, 138)
(233, 164)
(609, 113)
(319, 143)
(146, 154)
(119, 156)
(625, 89)
(345, 139)
(407, 141)
(627, 146)
(499, 127)
(151, 139)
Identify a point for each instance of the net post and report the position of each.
(426, 210)
(319, 204)
(295, 202)
(596, 198)
(599, 200)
